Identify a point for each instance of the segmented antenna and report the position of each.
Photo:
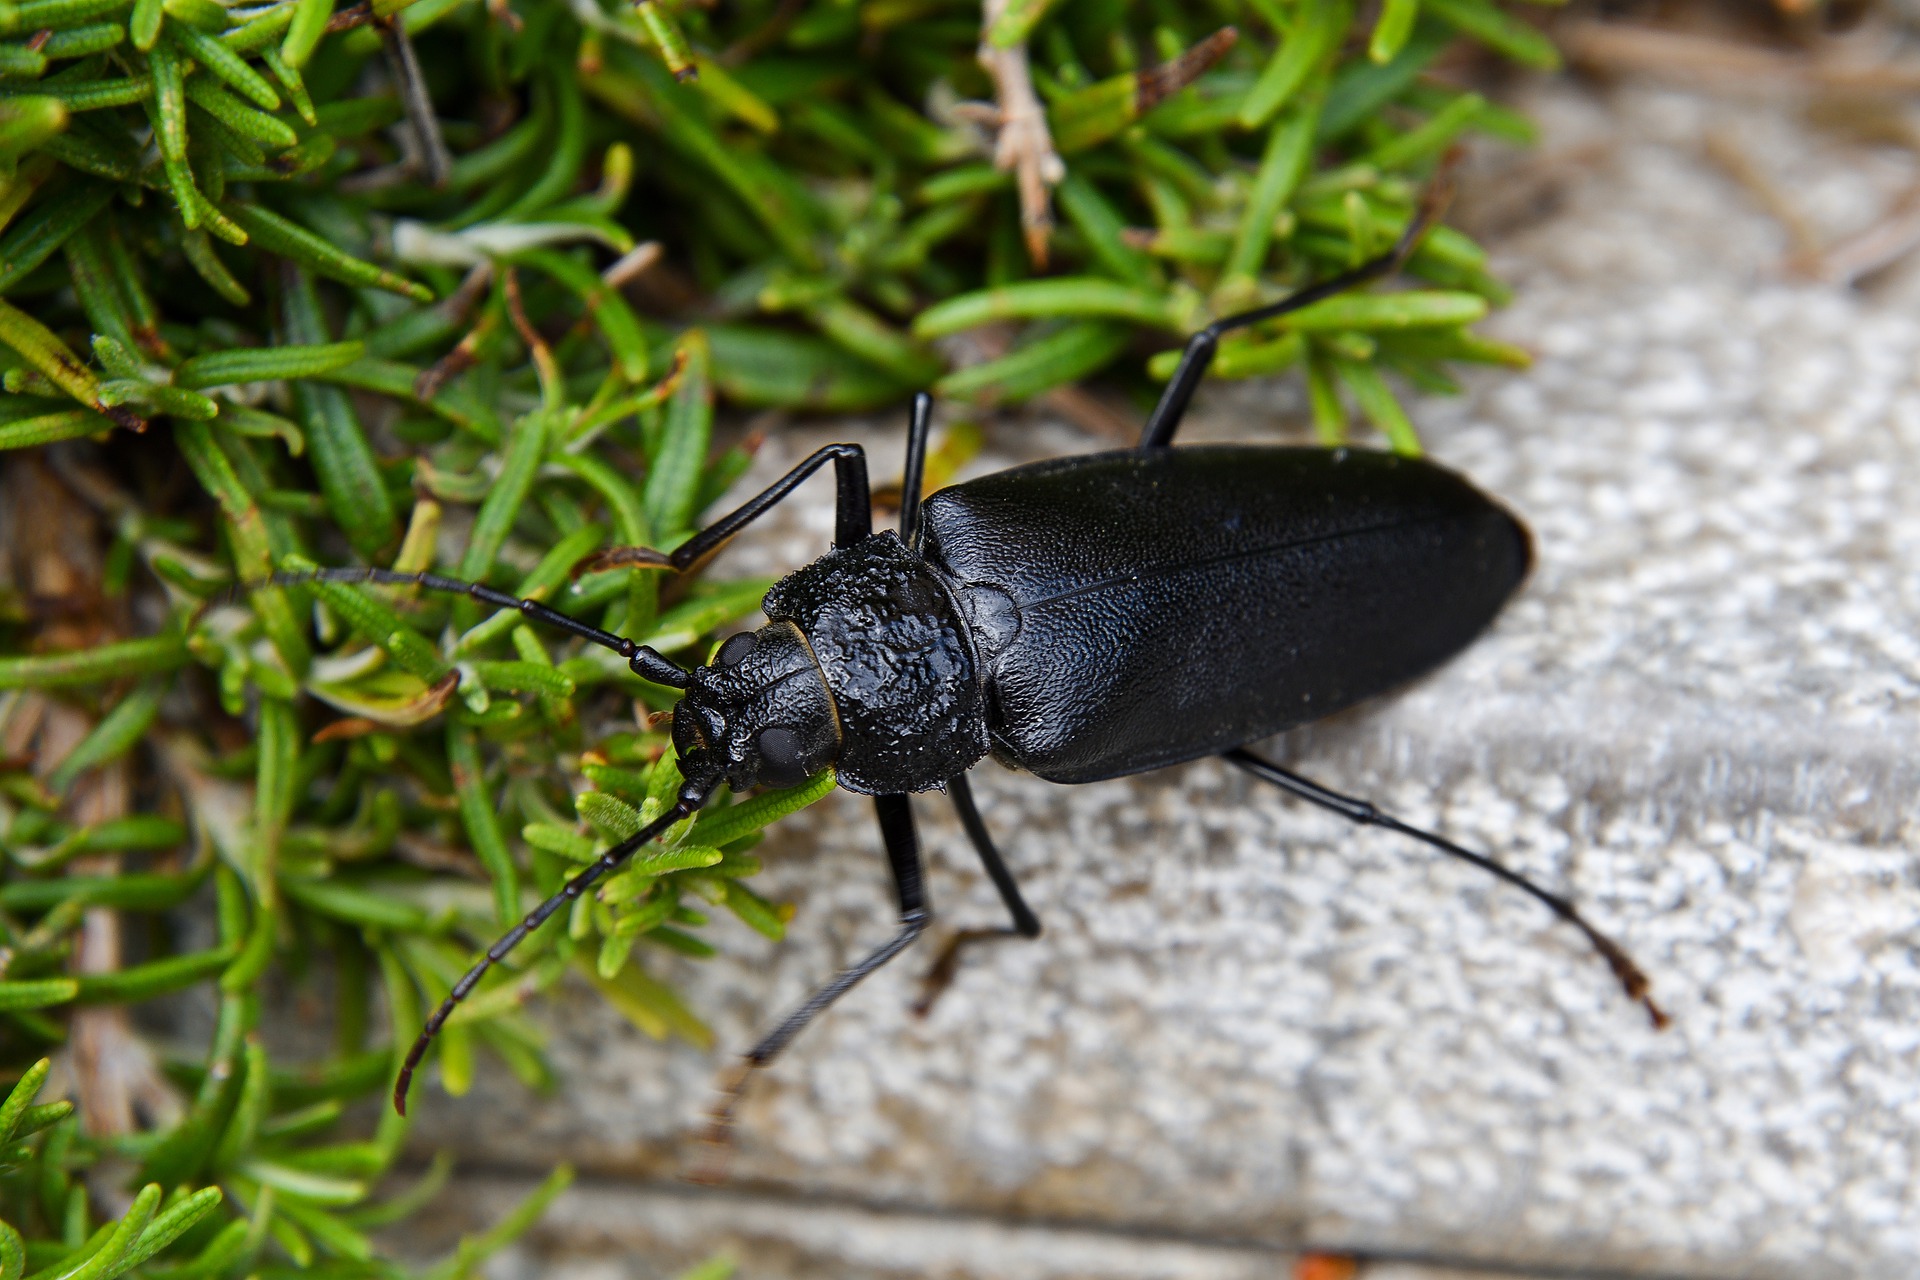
(689, 802)
(645, 662)
(1632, 979)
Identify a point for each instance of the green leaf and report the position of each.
(303, 33)
(472, 1251)
(21, 1096)
(1315, 35)
(354, 905)
(737, 821)
(648, 1004)
(154, 978)
(298, 1184)
(1406, 310)
(555, 839)
(283, 236)
(1073, 351)
(1076, 297)
(266, 364)
(673, 481)
(1499, 31)
(615, 817)
(758, 914)
(482, 822)
(169, 1226)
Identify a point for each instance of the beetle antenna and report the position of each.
(1197, 358)
(1631, 977)
(689, 802)
(647, 663)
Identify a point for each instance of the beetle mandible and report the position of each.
(1080, 619)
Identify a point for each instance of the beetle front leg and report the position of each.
(1025, 923)
(853, 518)
(910, 891)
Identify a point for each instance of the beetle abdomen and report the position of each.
(1136, 609)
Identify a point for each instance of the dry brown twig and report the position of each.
(466, 353)
(1725, 150)
(1692, 60)
(1894, 235)
(114, 1070)
(635, 263)
(1023, 143)
(55, 540)
(1864, 95)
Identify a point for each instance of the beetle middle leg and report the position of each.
(1025, 923)
(910, 892)
(1365, 814)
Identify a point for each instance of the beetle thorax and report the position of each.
(897, 660)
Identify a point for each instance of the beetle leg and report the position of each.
(1202, 346)
(919, 427)
(910, 891)
(1360, 811)
(853, 512)
(1025, 923)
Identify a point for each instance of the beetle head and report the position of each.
(758, 714)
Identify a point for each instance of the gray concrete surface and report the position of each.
(1250, 1028)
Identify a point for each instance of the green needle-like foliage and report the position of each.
(456, 285)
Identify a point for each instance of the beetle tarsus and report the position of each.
(946, 966)
(1638, 986)
(1025, 923)
(716, 1140)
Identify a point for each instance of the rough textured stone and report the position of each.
(613, 1230)
(1248, 1022)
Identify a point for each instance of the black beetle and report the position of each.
(1081, 619)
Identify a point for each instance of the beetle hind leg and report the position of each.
(1025, 923)
(1631, 977)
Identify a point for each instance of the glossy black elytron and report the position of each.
(1137, 609)
(1097, 616)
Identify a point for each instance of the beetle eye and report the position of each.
(735, 649)
(780, 764)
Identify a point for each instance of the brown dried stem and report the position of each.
(1023, 144)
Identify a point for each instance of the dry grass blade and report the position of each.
(1693, 60)
(1022, 143)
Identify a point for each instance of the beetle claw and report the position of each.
(716, 1142)
(939, 976)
